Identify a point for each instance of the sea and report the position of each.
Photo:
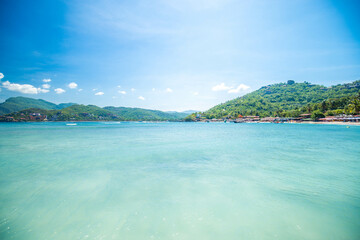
(139, 180)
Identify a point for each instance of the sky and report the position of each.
(171, 54)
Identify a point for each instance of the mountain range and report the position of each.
(288, 99)
(21, 107)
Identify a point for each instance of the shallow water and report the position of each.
(179, 181)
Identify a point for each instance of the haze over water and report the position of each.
(179, 181)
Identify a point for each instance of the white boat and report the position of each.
(71, 124)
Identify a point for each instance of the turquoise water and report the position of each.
(179, 181)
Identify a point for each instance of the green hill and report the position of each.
(82, 113)
(74, 112)
(286, 99)
(28, 109)
(15, 104)
(130, 114)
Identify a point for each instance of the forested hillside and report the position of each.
(288, 99)
(15, 104)
(77, 112)
(130, 114)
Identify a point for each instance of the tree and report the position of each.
(354, 106)
(290, 82)
(317, 114)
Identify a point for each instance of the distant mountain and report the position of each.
(15, 104)
(189, 111)
(130, 114)
(184, 112)
(287, 99)
(29, 109)
(73, 113)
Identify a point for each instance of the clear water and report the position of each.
(179, 181)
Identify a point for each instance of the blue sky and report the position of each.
(172, 55)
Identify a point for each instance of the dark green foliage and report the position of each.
(15, 104)
(317, 114)
(290, 82)
(287, 100)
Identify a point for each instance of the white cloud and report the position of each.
(169, 90)
(43, 90)
(141, 98)
(80, 89)
(94, 89)
(72, 85)
(153, 89)
(99, 93)
(122, 92)
(23, 88)
(47, 80)
(133, 89)
(119, 86)
(46, 85)
(59, 90)
(195, 93)
(221, 87)
(241, 87)
(1, 76)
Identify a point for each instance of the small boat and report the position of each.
(71, 124)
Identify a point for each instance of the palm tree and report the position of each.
(354, 106)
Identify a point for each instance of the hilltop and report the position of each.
(15, 104)
(288, 99)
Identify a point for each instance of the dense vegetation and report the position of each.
(290, 100)
(129, 114)
(278, 100)
(15, 104)
(52, 112)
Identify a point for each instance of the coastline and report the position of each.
(331, 123)
(305, 122)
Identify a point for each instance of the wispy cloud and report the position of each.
(230, 89)
(46, 86)
(59, 90)
(133, 89)
(99, 94)
(122, 92)
(169, 90)
(141, 98)
(221, 87)
(46, 80)
(72, 85)
(1, 76)
(241, 87)
(42, 90)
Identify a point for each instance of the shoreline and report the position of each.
(331, 123)
(307, 122)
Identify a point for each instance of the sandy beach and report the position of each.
(334, 123)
